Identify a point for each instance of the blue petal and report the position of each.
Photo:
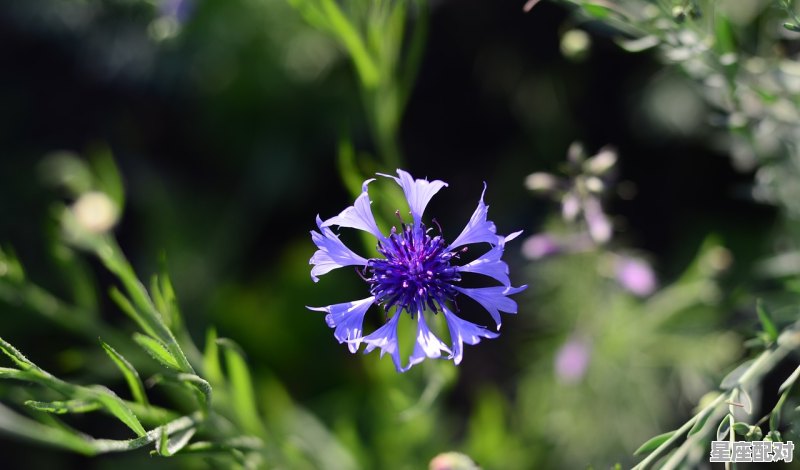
(494, 299)
(385, 338)
(463, 331)
(347, 318)
(428, 345)
(418, 192)
(490, 264)
(332, 253)
(358, 216)
(478, 229)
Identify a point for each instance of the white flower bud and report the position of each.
(95, 212)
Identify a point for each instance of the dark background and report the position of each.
(227, 157)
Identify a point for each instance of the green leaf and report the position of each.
(350, 38)
(23, 362)
(747, 402)
(724, 427)
(199, 384)
(732, 379)
(724, 36)
(241, 386)
(167, 446)
(790, 381)
(211, 364)
(741, 428)
(159, 302)
(701, 421)
(654, 443)
(23, 427)
(794, 27)
(116, 407)
(597, 11)
(16, 374)
(766, 321)
(131, 376)
(62, 407)
(170, 308)
(157, 350)
(106, 175)
(127, 307)
(754, 434)
(10, 267)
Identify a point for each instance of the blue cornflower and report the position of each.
(415, 273)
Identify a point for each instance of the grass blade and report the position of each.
(131, 376)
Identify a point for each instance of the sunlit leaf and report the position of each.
(701, 421)
(597, 10)
(131, 376)
(156, 349)
(62, 407)
(116, 407)
(653, 443)
(241, 386)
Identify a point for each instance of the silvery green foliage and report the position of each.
(742, 58)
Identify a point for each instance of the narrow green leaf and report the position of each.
(211, 363)
(724, 427)
(766, 321)
(159, 302)
(199, 384)
(23, 362)
(171, 308)
(241, 386)
(775, 415)
(10, 267)
(21, 426)
(161, 442)
(654, 443)
(167, 447)
(127, 307)
(62, 407)
(131, 376)
(792, 27)
(596, 10)
(701, 421)
(157, 350)
(790, 381)
(724, 36)
(350, 38)
(106, 175)
(117, 407)
(16, 374)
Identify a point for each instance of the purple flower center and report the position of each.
(415, 273)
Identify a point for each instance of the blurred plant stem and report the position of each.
(386, 48)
